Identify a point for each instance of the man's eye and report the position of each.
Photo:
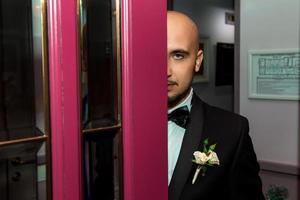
(178, 56)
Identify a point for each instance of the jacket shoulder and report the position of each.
(220, 115)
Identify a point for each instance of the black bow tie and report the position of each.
(180, 116)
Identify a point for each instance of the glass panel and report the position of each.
(22, 74)
(23, 171)
(102, 166)
(99, 64)
(100, 90)
(24, 120)
(39, 59)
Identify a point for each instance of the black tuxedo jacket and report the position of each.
(236, 178)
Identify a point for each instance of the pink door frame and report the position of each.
(64, 100)
(144, 100)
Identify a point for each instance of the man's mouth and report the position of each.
(170, 83)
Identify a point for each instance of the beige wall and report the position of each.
(274, 124)
(270, 24)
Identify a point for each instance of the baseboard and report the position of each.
(279, 168)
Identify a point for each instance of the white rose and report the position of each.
(200, 157)
(213, 158)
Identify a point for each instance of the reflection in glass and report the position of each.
(101, 97)
(99, 64)
(23, 171)
(24, 116)
(103, 164)
(22, 106)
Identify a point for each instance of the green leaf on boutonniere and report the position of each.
(205, 149)
(205, 143)
(212, 147)
(210, 163)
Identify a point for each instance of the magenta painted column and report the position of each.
(144, 99)
(64, 100)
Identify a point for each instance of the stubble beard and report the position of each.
(177, 99)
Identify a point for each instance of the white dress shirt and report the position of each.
(175, 137)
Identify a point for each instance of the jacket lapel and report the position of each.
(190, 143)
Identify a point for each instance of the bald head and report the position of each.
(183, 26)
(184, 56)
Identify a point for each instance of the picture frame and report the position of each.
(274, 74)
(203, 75)
(229, 18)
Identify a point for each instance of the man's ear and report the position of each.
(199, 60)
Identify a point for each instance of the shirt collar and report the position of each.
(186, 102)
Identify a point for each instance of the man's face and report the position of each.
(183, 58)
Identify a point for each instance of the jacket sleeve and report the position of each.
(245, 183)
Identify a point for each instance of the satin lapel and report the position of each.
(190, 143)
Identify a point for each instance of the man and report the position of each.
(235, 174)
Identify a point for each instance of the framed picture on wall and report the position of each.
(203, 74)
(229, 18)
(274, 74)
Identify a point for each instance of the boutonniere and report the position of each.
(204, 159)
